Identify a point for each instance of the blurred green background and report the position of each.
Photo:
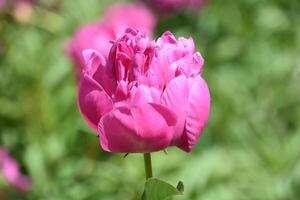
(250, 149)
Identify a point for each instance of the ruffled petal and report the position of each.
(93, 60)
(93, 101)
(175, 97)
(197, 112)
(166, 39)
(138, 129)
(141, 95)
(97, 69)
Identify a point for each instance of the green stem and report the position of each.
(148, 166)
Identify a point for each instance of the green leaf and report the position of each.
(156, 189)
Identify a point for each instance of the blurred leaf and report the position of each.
(156, 189)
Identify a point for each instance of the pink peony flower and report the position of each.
(22, 10)
(2, 5)
(16, 5)
(11, 172)
(90, 36)
(98, 35)
(134, 15)
(176, 5)
(147, 96)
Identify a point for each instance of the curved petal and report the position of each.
(186, 44)
(138, 129)
(93, 59)
(175, 97)
(197, 112)
(97, 69)
(166, 39)
(93, 101)
(141, 95)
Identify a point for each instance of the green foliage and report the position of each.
(156, 189)
(249, 150)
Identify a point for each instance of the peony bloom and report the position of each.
(22, 10)
(147, 96)
(16, 3)
(98, 35)
(90, 36)
(2, 5)
(135, 15)
(176, 5)
(9, 168)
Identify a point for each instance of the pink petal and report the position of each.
(89, 36)
(197, 112)
(166, 38)
(11, 170)
(3, 156)
(186, 44)
(138, 129)
(134, 15)
(13, 176)
(23, 183)
(93, 59)
(175, 97)
(121, 91)
(97, 69)
(169, 115)
(141, 95)
(93, 100)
